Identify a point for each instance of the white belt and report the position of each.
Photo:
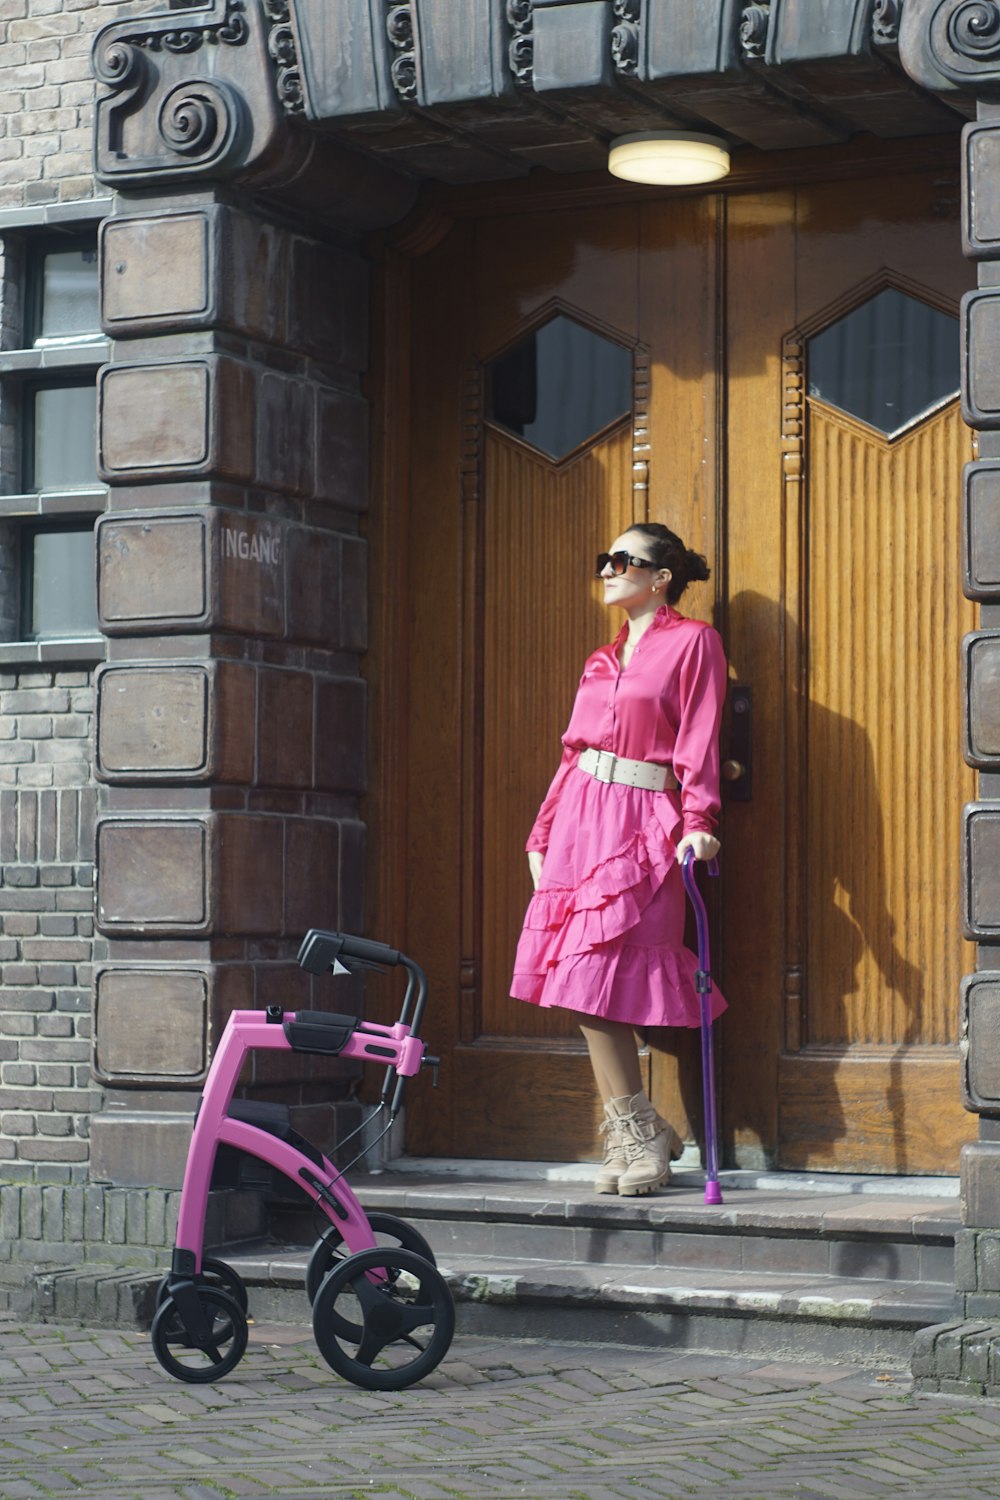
(604, 766)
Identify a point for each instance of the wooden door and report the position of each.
(502, 611)
(844, 548)
(835, 584)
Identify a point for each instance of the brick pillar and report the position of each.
(230, 714)
(949, 46)
(979, 1262)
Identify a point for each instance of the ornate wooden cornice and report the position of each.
(472, 90)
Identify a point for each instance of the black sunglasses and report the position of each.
(619, 561)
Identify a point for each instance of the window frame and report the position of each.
(33, 362)
(30, 532)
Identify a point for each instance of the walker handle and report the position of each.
(320, 949)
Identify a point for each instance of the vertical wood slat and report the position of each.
(883, 780)
(542, 528)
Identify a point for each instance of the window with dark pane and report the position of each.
(48, 400)
(61, 436)
(559, 386)
(58, 587)
(64, 294)
(887, 362)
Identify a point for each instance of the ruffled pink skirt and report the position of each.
(604, 932)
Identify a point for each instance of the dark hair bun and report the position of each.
(665, 549)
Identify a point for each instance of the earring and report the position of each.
(655, 589)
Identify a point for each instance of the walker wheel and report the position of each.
(181, 1353)
(213, 1273)
(384, 1319)
(330, 1250)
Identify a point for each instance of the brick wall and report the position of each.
(47, 808)
(47, 795)
(47, 96)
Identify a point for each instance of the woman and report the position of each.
(638, 785)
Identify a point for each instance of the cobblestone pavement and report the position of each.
(89, 1413)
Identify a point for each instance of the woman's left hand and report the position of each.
(703, 846)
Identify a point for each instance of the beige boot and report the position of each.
(614, 1164)
(650, 1146)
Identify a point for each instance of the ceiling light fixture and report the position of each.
(668, 158)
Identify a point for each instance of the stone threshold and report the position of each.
(687, 1173)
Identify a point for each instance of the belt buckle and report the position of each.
(612, 760)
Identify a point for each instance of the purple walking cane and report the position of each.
(703, 978)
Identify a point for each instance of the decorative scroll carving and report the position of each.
(190, 91)
(948, 44)
(522, 45)
(625, 36)
(885, 22)
(281, 47)
(403, 68)
(200, 120)
(229, 29)
(753, 29)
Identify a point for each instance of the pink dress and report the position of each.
(604, 932)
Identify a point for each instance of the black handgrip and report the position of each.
(320, 949)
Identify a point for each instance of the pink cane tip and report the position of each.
(713, 1193)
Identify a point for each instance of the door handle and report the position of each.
(738, 768)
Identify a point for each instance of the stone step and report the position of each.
(836, 1233)
(795, 1272)
(833, 1270)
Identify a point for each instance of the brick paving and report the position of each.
(89, 1413)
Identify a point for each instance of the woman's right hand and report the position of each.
(535, 861)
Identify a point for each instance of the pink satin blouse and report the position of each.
(665, 707)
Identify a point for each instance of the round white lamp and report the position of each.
(668, 158)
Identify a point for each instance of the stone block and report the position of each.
(314, 569)
(353, 845)
(342, 449)
(251, 571)
(980, 205)
(981, 1185)
(152, 573)
(284, 729)
(981, 359)
(137, 1148)
(979, 1046)
(328, 304)
(286, 433)
(196, 570)
(312, 879)
(173, 722)
(988, 1263)
(154, 875)
(981, 871)
(151, 1025)
(981, 717)
(157, 273)
(208, 268)
(981, 530)
(341, 715)
(176, 417)
(250, 874)
(188, 876)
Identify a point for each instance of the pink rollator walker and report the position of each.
(703, 979)
(382, 1313)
